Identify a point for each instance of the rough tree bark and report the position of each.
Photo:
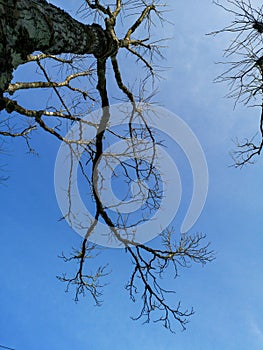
(29, 25)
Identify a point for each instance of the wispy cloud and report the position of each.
(257, 331)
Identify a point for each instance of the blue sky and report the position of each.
(226, 294)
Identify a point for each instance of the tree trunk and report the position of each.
(35, 25)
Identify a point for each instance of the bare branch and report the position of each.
(97, 6)
(18, 134)
(50, 84)
(41, 56)
(138, 22)
(148, 269)
(82, 281)
(245, 72)
(150, 264)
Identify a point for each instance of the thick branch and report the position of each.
(46, 84)
(28, 26)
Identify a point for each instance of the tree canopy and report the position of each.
(79, 62)
(73, 60)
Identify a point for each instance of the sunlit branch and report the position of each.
(138, 22)
(50, 84)
(41, 56)
(117, 8)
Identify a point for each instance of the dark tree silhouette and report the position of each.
(244, 57)
(73, 59)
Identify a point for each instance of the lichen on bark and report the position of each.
(29, 25)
